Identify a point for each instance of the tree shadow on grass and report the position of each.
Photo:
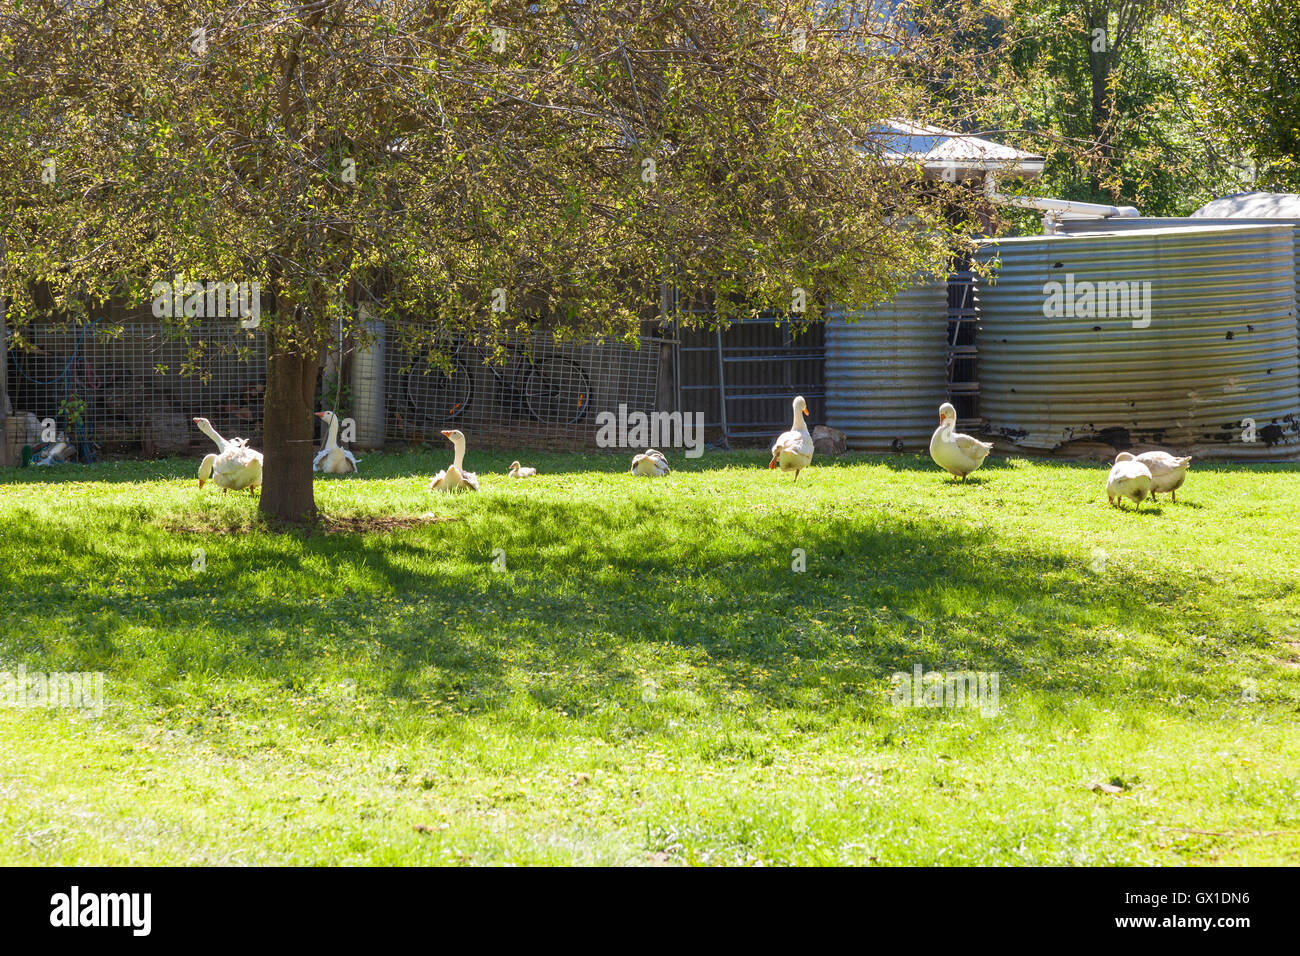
(588, 599)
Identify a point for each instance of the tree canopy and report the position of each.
(478, 164)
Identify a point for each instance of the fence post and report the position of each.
(368, 404)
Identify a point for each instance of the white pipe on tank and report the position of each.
(1087, 210)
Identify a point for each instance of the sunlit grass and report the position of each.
(648, 680)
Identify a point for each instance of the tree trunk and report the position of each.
(287, 493)
(1100, 63)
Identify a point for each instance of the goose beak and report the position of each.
(446, 434)
(805, 413)
(320, 414)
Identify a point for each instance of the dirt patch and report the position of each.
(325, 524)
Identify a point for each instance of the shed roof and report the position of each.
(939, 150)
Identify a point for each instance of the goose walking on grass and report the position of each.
(1167, 472)
(455, 478)
(955, 453)
(234, 466)
(520, 471)
(333, 459)
(650, 464)
(1128, 478)
(793, 450)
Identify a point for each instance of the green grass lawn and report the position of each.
(648, 681)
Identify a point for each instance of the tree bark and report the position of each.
(287, 493)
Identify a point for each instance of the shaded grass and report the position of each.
(589, 667)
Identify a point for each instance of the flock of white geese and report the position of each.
(236, 467)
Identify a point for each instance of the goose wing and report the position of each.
(238, 468)
(793, 443)
(972, 446)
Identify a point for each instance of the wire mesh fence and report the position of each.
(541, 392)
(136, 387)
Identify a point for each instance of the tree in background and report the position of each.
(477, 164)
(1098, 87)
(1244, 59)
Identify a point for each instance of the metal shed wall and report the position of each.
(1220, 347)
(886, 370)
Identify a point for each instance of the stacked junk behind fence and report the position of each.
(1108, 334)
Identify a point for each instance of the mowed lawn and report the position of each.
(640, 677)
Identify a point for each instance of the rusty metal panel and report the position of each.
(886, 369)
(1215, 352)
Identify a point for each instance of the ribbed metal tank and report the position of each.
(1219, 351)
(886, 369)
(1076, 227)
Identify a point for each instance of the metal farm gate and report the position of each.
(744, 378)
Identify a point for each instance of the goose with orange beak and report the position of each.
(793, 450)
(955, 453)
(333, 459)
(455, 477)
(234, 467)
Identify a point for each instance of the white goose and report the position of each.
(521, 471)
(235, 466)
(1128, 478)
(1167, 472)
(455, 478)
(955, 453)
(332, 459)
(793, 450)
(650, 464)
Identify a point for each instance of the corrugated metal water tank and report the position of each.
(886, 369)
(1205, 341)
(1075, 227)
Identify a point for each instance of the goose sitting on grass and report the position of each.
(519, 471)
(1128, 478)
(333, 459)
(1167, 472)
(234, 466)
(455, 478)
(650, 464)
(793, 450)
(956, 454)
